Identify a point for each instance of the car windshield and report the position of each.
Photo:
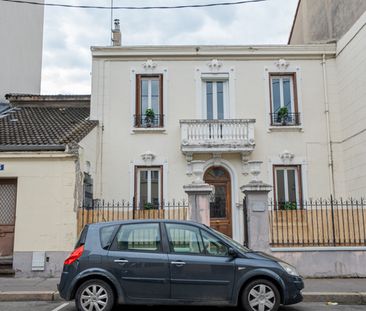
(231, 241)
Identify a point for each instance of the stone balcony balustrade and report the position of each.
(217, 136)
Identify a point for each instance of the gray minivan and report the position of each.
(175, 263)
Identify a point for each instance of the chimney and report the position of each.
(116, 34)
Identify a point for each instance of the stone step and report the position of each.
(8, 272)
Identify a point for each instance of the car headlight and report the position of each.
(289, 269)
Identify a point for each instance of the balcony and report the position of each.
(290, 119)
(217, 136)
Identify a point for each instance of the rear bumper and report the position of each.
(293, 291)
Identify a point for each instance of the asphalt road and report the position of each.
(65, 306)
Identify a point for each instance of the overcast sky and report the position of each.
(69, 33)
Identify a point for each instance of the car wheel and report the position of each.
(94, 295)
(260, 295)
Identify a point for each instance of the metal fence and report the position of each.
(101, 211)
(323, 222)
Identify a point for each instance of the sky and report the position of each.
(69, 32)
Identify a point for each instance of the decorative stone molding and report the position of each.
(148, 158)
(149, 64)
(255, 169)
(214, 65)
(244, 163)
(197, 170)
(286, 157)
(282, 64)
(217, 158)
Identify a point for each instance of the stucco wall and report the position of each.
(21, 33)
(351, 94)
(45, 215)
(326, 20)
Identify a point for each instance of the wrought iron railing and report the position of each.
(102, 211)
(318, 223)
(291, 119)
(146, 121)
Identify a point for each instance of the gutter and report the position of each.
(32, 148)
(329, 136)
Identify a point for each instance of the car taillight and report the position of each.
(75, 255)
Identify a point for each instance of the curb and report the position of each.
(355, 298)
(29, 296)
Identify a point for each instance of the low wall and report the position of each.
(325, 262)
(22, 264)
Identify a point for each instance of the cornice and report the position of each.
(225, 51)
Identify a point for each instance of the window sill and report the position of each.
(286, 128)
(155, 130)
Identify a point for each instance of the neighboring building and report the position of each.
(324, 21)
(21, 36)
(42, 158)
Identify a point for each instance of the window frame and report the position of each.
(294, 96)
(138, 78)
(139, 168)
(113, 247)
(298, 181)
(225, 97)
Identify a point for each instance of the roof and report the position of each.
(43, 125)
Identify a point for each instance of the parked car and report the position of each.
(174, 263)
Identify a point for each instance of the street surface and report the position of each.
(70, 306)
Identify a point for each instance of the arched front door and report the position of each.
(220, 206)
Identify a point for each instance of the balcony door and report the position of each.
(220, 206)
(215, 99)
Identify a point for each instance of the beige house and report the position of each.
(43, 140)
(292, 107)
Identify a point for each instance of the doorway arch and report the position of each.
(221, 204)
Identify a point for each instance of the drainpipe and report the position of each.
(329, 136)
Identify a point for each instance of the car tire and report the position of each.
(95, 292)
(260, 295)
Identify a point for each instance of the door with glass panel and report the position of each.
(215, 99)
(287, 186)
(220, 205)
(148, 194)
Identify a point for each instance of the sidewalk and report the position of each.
(346, 291)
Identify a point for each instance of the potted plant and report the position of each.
(148, 206)
(289, 206)
(149, 117)
(282, 115)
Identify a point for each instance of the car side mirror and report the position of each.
(232, 252)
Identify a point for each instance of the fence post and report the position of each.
(333, 225)
(199, 202)
(256, 198)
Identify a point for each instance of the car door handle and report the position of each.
(121, 260)
(178, 263)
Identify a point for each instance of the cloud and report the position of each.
(69, 33)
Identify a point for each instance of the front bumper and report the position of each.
(293, 291)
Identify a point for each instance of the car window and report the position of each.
(213, 245)
(184, 239)
(138, 237)
(82, 237)
(106, 235)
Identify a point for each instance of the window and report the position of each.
(148, 187)
(215, 99)
(149, 101)
(106, 235)
(213, 246)
(184, 239)
(284, 108)
(287, 181)
(138, 237)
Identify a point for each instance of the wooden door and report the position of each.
(220, 206)
(8, 193)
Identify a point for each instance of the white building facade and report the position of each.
(225, 105)
(21, 35)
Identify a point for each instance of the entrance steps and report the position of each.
(6, 266)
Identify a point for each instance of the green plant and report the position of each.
(288, 206)
(282, 113)
(149, 113)
(148, 206)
